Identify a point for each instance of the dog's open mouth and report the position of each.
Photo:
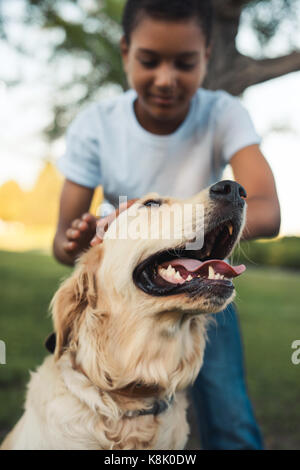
(193, 272)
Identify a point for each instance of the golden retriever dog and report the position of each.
(130, 327)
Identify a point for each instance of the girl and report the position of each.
(169, 135)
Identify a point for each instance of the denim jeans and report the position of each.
(224, 411)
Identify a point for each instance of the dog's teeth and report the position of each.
(211, 272)
(173, 275)
(171, 269)
(230, 229)
(170, 274)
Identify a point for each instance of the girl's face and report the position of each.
(165, 63)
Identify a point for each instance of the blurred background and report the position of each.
(58, 56)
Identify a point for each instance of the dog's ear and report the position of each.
(72, 299)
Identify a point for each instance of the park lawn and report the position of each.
(27, 283)
(268, 302)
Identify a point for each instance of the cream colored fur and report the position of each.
(111, 334)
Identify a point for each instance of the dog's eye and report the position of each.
(153, 203)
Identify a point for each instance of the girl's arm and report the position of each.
(252, 171)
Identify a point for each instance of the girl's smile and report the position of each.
(165, 63)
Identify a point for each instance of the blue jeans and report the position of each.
(224, 411)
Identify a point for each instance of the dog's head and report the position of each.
(128, 312)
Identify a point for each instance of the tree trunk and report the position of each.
(228, 69)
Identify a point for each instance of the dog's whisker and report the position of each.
(240, 249)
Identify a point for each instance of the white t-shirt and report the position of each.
(107, 146)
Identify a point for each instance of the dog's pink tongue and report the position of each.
(220, 266)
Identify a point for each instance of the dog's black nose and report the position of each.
(228, 191)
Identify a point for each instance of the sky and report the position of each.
(25, 111)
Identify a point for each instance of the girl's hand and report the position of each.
(80, 234)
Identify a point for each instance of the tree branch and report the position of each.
(245, 72)
(252, 72)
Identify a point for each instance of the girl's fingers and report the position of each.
(69, 247)
(75, 223)
(84, 223)
(89, 218)
(87, 222)
(79, 224)
(83, 226)
(72, 234)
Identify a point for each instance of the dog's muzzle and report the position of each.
(198, 272)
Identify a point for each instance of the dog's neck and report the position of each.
(134, 400)
(134, 390)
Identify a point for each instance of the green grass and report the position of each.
(27, 283)
(268, 302)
